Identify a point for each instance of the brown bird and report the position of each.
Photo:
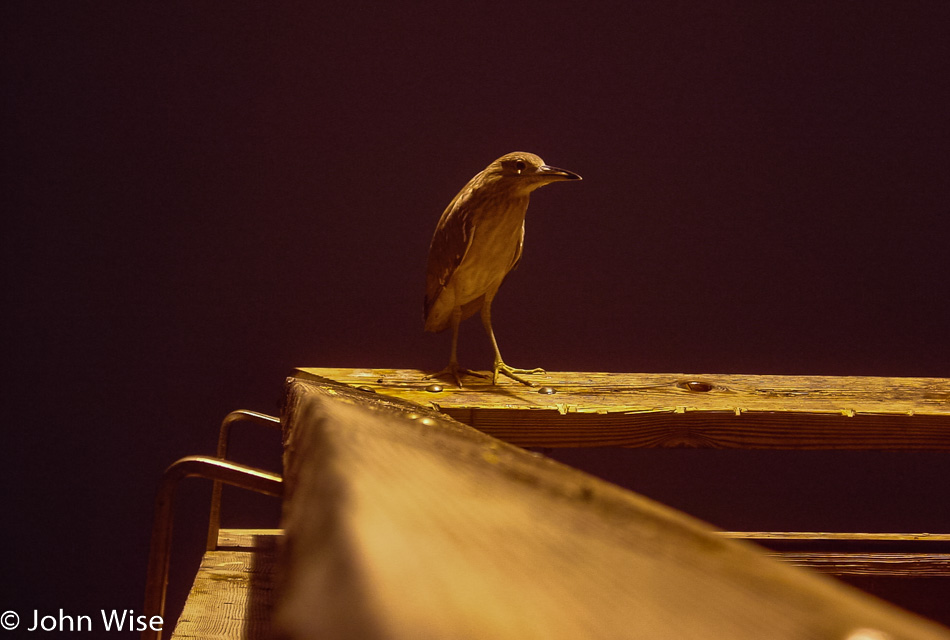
(477, 242)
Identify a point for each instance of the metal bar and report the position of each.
(232, 473)
(224, 436)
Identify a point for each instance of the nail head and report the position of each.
(695, 385)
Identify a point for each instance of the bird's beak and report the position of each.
(553, 173)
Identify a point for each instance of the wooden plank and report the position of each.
(401, 523)
(942, 539)
(249, 539)
(910, 543)
(892, 565)
(232, 596)
(905, 555)
(683, 410)
(921, 555)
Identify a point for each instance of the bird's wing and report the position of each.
(452, 238)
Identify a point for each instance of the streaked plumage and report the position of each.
(477, 243)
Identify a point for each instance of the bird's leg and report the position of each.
(500, 366)
(453, 368)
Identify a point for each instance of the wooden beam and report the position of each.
(890, 565)
(905, 555)
(402, 523)
(683, 410)
(232, 596)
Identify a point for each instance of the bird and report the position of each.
(477, 242)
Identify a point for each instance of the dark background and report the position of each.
(198, 197)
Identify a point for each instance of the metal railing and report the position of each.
(221, 471)
(224, 437)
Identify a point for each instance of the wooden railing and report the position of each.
(401, 522)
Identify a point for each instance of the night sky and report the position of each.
(198, 197)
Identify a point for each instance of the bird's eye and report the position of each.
(520, 165)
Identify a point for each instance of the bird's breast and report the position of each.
(492, 252)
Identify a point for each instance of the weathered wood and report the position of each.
(908, 555)
(841, 542)
(941, 539)
(232, 596)
(401, 523)
(684, 410)
(265, 540)
(893, 565)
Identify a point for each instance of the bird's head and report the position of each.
(525, 172)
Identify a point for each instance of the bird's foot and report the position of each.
(456, 373)
(511, 372)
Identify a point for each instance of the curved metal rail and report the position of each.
(217, 469)
(224, 437)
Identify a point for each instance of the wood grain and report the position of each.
(684, 410)
(893, 565)
(401, 523)
(232, 596)
(905, 555)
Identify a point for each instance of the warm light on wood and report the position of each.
(685, 410)
(400, 523)
(232, 595)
